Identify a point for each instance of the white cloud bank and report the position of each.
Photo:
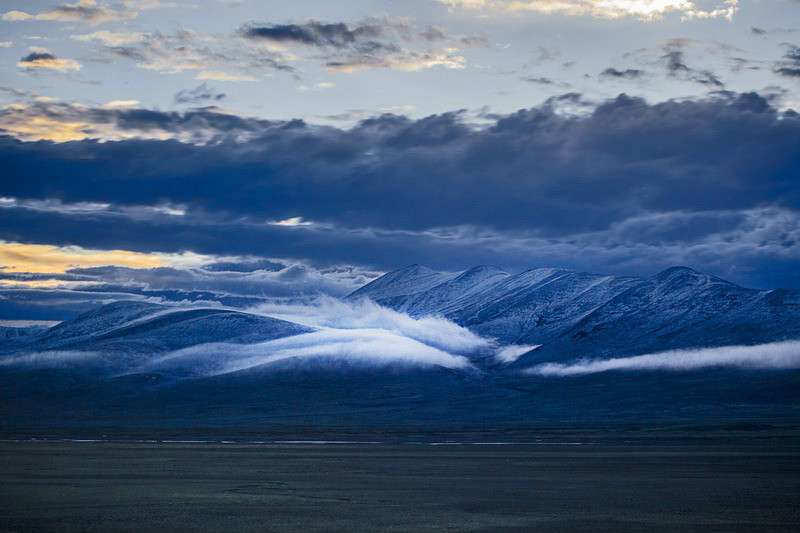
(329, 313)
(359, 332)
(772, 356)
(369, 347)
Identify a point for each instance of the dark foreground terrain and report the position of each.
(716, 485)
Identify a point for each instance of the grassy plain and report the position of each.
(182, 487)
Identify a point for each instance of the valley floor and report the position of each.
(706, 485)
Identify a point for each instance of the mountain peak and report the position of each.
(482, 270)
(684, 273)
(677, 271)
(415, 268)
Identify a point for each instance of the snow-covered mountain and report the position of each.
(135, 364)
(575, 314)
(124, 327)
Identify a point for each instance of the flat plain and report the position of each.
(216, 487)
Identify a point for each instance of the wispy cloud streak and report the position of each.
(771, 356)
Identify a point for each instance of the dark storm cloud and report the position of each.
(630, 73)
(624, 187)
(199, 94)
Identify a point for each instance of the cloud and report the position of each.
(364, 314)
(355, 332)
(509, 354)
(293, 280)
(540, 81)
(772, 356)
(42, 258)
(222, 76)
(16, 16)
(364, 347)
(86, 11)
(214, 56)
(112, 38)
(321, 34)
(42, 58)
(199, 94)
(60, 121)
(361, 333)
(674, 61)
(790, 66)
(644, 10)
(116, 104)
(377, 42)
(402, 60)
(154, 4)
(94, 209)
(101, 276)
(630, 73)
(622, 186)
(53, 359)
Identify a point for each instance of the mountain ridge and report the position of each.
(139, 364)
(577, 314)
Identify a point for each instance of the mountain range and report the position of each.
(473, 347)
(577, 314)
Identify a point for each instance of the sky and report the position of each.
(233, 152)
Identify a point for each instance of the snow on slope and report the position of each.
(147, 328)
(573, 314)
(530, 307)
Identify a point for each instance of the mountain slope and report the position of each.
(677, 308)
(133, 364)
(149, 328)
(573, 314)
(530, 308)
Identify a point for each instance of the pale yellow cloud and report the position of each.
(223, 76)
(42, 128)
(63, 122)
(112, 38)
(116, 104)
(42, 58)
(49, 259)
(16, 16)
(87, 11)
